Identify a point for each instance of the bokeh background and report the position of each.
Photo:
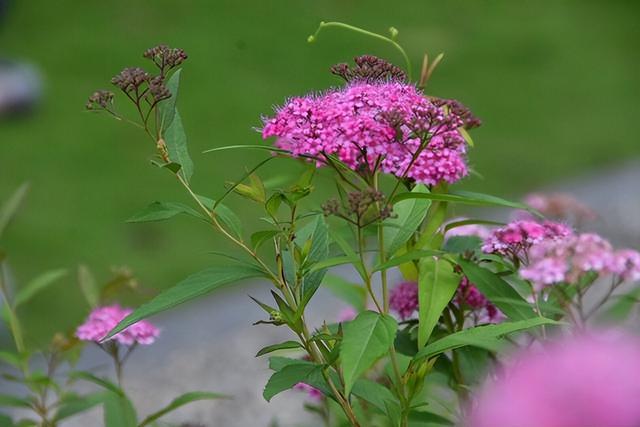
(555, 82)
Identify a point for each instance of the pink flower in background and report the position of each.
(468, 230)
(590, 380)
(377, 123)
(558, 206)
(347, 314)
(469, 296)
(312, 392)
(566, 260)
(403, 299)
(517, 237)
(103, 319)
(625, 263)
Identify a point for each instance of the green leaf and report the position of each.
(621, 307)
(88, 286)
(462, 244)
(8, 400)
(260, 237)
(437, 283)
(37, 285)
(167, 108)
(498, 291)
(192, 287)
(12, 359)
(248, 146)
(318, 252)
(160, 211)
(289, 376)
(366, 339)
(427, 419)
(6, 421)
(181, 401)
(486, 336)
(104, 383)
(409, 215)
(119, 411)
(10, 207)
(466, 198)
(73, 405)
(405, 258)
(331, 262)
(287, 345)
(374, 393)
(176, 140)
(226, 215)
(352, 294)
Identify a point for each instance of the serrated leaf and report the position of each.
(318, 252)
(437, 283)
(409, 215)
(176, 141)
(192, 287)
(179, 401)
(498, 291)
(366, 339)
(167, 108)
(37, 285)
(160, 211)
(289, 376)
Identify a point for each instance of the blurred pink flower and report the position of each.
(103, 319)
(583, 381)
(469, 296)
(403, 299)
(347, 314)
(516, 238)
(312, 392)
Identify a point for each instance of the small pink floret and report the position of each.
(103, 319)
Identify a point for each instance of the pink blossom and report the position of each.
(347, 314)
(468, 230)
(589, 380)
(311, 391)
(566, 260)
(558, 206)
(625, 263)
(517, 237)
(103, 319)
(370, 124)
(468, 295)
(403, 299)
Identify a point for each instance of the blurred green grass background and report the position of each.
(556, 83)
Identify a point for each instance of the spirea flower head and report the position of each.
(373, 124)
(517, 237)
(625, 263)
(590, 380)
(566, 260)
(403, 299)
(559, 206)
(103, 319)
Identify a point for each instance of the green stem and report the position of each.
(366, 33)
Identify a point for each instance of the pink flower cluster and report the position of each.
(517, 237)
(375, 124)
(403, 299)
(469, 296)
(590, 380)
(566, 260)
(103, 319)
